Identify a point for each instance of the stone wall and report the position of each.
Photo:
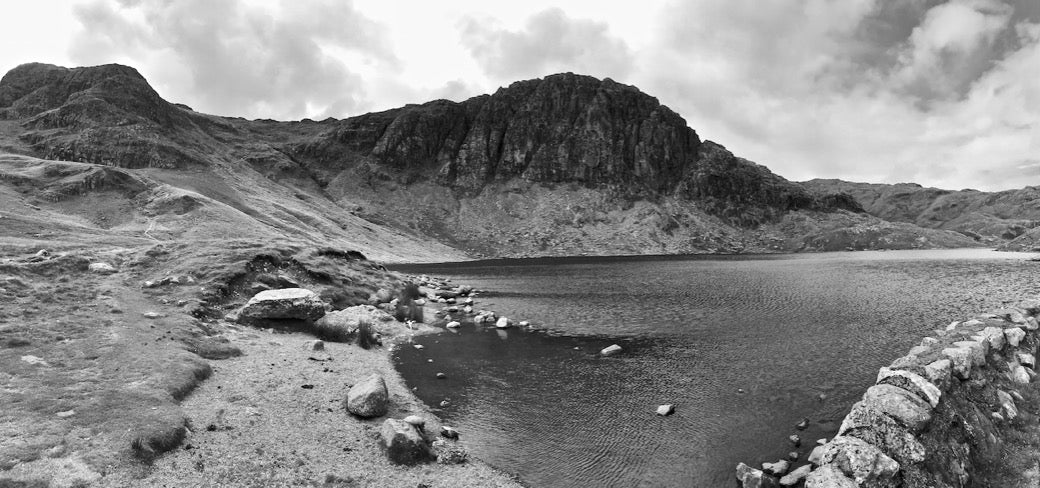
(937, 417)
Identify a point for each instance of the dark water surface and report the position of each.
(800, 335)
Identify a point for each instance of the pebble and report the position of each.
(416, 421)
(441, 376)
(152, 315)
(666, 409)
(449, 432)
(67, 413)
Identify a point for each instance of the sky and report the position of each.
(944, 93)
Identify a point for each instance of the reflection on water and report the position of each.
(744, 346)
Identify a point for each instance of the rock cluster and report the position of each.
(892, 434)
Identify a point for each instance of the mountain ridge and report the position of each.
(562, 164)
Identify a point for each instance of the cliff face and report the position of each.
(560, 165)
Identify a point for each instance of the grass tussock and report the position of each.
(367, 337)
(406, 308)
(154, 442)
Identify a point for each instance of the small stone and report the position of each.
(503, 323)
(444, 403)
(441, 376)
(416, 420)
(152, 315)
(795, 440)
(778, 468)
(666, 409)
(1026, 359)
(793, 456)
(802, 424)
(1007, 404)
(34, 360)
(449, 432)
(821, 441)
(610, 350)
(816, 455)
(524, 323)
(65, 414)
(454, 324)
(418, 346)
(796, 476)
(316, 345)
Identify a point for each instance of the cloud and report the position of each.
(257, 60)
(550, 42)
(934, 92)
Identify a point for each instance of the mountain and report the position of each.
(1008, 219)
(567, 164)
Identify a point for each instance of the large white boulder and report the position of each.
(286, 303)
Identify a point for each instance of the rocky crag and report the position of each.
(958, 410)
(563, 165)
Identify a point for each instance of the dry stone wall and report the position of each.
(937, 417)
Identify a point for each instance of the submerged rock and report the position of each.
(610, 350)
(287, 303)
(666, 409)
(368, 398)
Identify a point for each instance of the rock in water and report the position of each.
(796, 476)
(287, 303)
(666, 409)
(453, 325)
(416, 420)
(503, 323)
(101, 268)
(368, 398)
(404, 444)
(778, 468)
(610, 350)
(449, 432)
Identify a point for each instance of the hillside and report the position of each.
(1007, 219)
(567, 164)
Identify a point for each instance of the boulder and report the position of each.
(1026, 359)
(381, 295)
(341, 324)
(101, 268)
(610, 350)
(368, 398)
(666, 409)
(878, 429)
(796, 476)
(903, 406)
(911, 382)
(778, 468)
(1031, 324)
(828, 477)
(287, 303)
(859, 460)
(960, 361)
(1014, 336)
(404, 443)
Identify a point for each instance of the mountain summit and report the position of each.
(566, 164)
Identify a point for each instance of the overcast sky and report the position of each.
(942, 93)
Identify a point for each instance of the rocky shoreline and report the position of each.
(960, 409)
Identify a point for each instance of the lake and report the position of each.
(744, 346)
